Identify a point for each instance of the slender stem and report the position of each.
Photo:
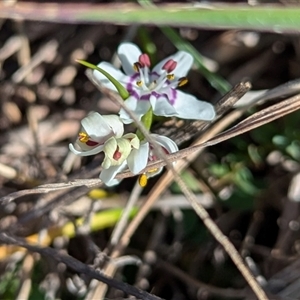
(276, 18)
(119, 228)
(147, 121)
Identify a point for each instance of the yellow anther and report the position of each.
(136, 67)
(143, 180)
(83, 137)
(170, 76)
(152, 171)
(139, 83)
(182, 81)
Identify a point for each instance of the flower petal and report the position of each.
(113, 182)
(165, 142)
(131, 103)
(129, 54)
(84, 146)
(116, 73)
(138, 107)
(138, 158)
(189, 107)
(169, 145)
(184, 106)
(109, 149)
(134, 140)
(96, 127)
(124, 147)
(93, 151)
(161, 106)
(108, 175)
(154, 172)
(115, 123)
(184, 63)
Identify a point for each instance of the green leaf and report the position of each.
(120, 88)
(276, 18)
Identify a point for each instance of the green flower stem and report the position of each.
(120, 88)
(147, 122)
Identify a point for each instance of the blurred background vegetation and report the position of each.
(249, 184)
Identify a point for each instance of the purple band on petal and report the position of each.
(155, 94)
(154, 74)
(134, 94)
(131, 88)
(172, 96)
(145, 97)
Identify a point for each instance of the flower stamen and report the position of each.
(170, 66)
(152, 171)
(143, 180)
(136, 66)
(144, 60)
(83, 137)
(182, 81)
(171, 76)
(117, 155)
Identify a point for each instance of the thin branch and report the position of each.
(120, 226)
(78, 266)
(228, 101)
(256, 120)
(190, 281)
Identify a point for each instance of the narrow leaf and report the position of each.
(120, 88)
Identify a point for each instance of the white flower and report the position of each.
(105, 133)
(117, 150)
(156, 88)
(167, 145)
(138, 159)
(96, 130)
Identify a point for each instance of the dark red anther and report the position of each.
(144, 60)
(91, 143)
(117, 155)
(165, 150)
(170, 65)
